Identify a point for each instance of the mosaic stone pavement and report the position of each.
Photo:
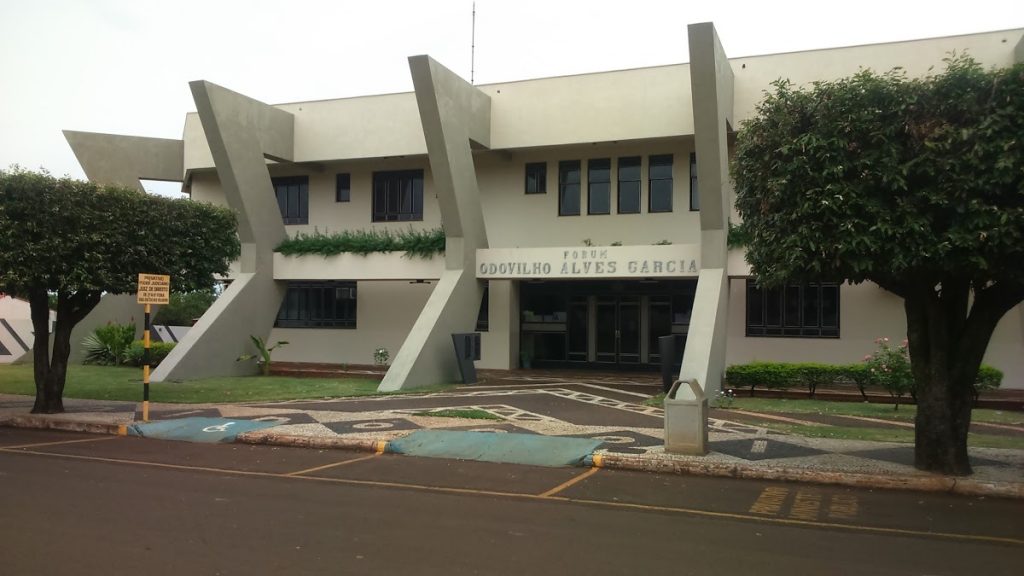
(555, 410)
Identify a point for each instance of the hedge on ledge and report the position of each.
(784, 375)
(415, 243)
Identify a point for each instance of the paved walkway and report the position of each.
(605, 409)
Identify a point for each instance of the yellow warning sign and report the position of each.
(154, 289)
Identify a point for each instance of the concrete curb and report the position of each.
(929, 483)
(922, 483)
(65, 424)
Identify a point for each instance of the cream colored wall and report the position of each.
(754, 74)
(327, 215)
(385, 312)
(515, 219)
(14, 308)
(637, 103)
(866, 312)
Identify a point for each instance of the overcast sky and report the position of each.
(123, 66)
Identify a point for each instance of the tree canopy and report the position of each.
(916, 184)
(80, 240)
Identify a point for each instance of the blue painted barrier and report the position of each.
(198, 429)
(532, 449)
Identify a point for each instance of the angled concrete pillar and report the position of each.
(242, 133)
(711, 81)
(455, 115)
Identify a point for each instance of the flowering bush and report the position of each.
(725, 399)
(381, 356)
(890, 368)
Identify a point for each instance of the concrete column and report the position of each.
(242, 134)
(711, 80)
(454, 115)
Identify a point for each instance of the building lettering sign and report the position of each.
(661, 261)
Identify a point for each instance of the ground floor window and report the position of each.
(798, 310)
(328, 304)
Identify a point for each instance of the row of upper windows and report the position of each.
(398, 195)
(599, 184)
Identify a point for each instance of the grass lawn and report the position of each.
(887, 435)
(906, 412)
(472, 414)
(119, 383)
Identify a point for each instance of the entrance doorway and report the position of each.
(601, 324)
(617, 329)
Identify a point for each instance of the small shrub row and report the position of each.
(107, 344)
(415, 243)
(157, 352)
(785, 375)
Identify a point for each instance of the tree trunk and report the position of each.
(39, 303)
(50, 371)
(948, 335)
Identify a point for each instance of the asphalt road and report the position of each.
(79, 504)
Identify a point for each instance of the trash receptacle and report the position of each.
(686, 419)
(467, 349)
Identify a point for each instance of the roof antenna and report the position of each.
(472, 49)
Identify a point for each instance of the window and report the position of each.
(398, 196)
(807, 310)
(659, 174)
(694, 196)
(569, 188)
(318, 305)
(536, 178)
(293, 198)
(483, 315)
(629, 185)
(343, 188)
(599, 186)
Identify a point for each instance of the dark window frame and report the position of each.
(483, 315)
(315, 304)
(343, 187)
(788, 305)
(297, 212)
(654, 162)
(694, 192)
(399, 204)
(594, 167)
(565, 167)
(539, 184)
(625, 165)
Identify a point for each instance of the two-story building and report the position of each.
(585, 216)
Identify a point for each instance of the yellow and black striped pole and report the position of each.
(145, 368)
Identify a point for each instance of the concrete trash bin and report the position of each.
(686, 419)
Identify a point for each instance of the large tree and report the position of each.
(915, 184)
(79, 240)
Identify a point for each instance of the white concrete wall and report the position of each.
(385, 312)
(515, 219)
(866, 312)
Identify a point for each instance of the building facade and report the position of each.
(585, 217)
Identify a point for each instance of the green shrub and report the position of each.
(858, 375)
(183, 308)
(813, 375)
(771, 375)
(890, 368)
(157, 352)
(107, 344)
(415, 243)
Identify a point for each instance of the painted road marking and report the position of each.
(332, 465)
(606, 504)
(59, 442)
(843, 507)
(770, 501)
(219, 427)
(807, 504)
(758, 447)
(574, 480)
